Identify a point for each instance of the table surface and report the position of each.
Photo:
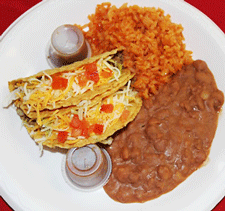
(10, 10)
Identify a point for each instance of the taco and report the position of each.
(51, 89)
(75, 127)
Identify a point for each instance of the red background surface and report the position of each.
(10, 10)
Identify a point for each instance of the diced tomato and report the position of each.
(91, 129)
(76, 132)
(124, 115)
(62, 136)
(92, 67)
(79, 127)
(92, 72)
(79, 132)
(59, 82)
(84, 124)
(98, 129)
(106, 73)
(82, 80)
(85, 132)
(75, 121)
(107, 108)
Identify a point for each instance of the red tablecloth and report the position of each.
(10, 10)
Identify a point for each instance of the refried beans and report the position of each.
(169, 139)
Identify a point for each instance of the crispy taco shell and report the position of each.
(69, 68)
(39, 135)
(95, 96)
(97, 92)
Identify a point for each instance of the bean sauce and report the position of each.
(169, 139)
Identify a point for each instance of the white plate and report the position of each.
(29, 182)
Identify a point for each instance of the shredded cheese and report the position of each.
(59, 121)
(39, 91)
(48, 76)
(66, 90)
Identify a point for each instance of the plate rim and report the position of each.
(6, 195)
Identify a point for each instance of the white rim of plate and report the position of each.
(13, 199)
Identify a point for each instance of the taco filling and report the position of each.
(78, 126)
(69, 85)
